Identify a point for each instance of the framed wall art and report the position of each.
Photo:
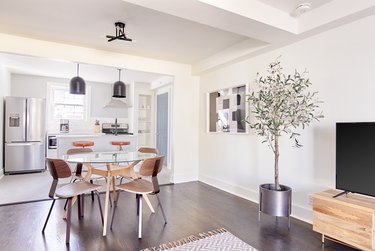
(227, 110)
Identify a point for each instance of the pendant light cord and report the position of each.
(78, 70)
(119, 74)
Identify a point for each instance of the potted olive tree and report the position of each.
(281, 104)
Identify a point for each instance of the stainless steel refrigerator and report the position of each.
(25, 135)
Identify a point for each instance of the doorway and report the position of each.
(163, 129)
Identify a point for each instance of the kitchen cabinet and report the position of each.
(145, 125)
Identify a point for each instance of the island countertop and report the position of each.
(102, 142)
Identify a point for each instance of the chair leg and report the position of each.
(66, 203)
(82, 205)
(110, 199)
(68, 221)
(100, 206)
(136, 199)
(162, 210)
(49, 213)
(79, 201)
(139, 216)
(92, 192)
(114, 208)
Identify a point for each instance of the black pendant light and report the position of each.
(77, 84)
(119, 88)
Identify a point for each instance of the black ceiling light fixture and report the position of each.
(77, 84)
(120, 33)
(119, 88)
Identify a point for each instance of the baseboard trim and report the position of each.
(298, 211)
(23, 202)
(239, 191)
(184, 177)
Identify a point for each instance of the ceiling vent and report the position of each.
(120, 33)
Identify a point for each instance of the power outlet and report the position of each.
(310, 198)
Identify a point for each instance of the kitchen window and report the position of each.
(64, 105)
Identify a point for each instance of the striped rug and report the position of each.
(219, 239)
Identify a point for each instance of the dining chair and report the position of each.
(78, 170)
(150, 168)
(79, 166)
(148, 150)
(60, 169)
(142, 150)
(78, 175)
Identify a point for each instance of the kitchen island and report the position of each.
(102, 142)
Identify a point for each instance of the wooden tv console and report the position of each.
(349, 219)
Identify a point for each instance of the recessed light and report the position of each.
(302, 8)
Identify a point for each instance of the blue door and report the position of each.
(162, 125)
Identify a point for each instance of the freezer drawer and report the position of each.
(24, 157)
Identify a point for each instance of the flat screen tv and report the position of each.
(355, 157)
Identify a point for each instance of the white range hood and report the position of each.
(118, 103)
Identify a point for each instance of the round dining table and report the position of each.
(113, 167)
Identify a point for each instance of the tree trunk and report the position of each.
(277, 184)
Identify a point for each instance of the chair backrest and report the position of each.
(151, 150)
(58, 168)
(151, 167)
(148, 150)
(72, 151)
(79, 150)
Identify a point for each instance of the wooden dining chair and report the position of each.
(148, 150)
(150, 168)
(141, 150)
(79, 172)
(79, 166)
(60, 169)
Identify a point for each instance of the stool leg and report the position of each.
(139, 216)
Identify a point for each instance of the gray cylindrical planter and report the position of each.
(275, 202)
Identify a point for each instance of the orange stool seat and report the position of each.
(120, 144)
(83, 143)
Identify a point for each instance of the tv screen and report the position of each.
(355, 157)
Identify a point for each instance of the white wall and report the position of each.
(4, 91)
(341, 63)
(185, 104)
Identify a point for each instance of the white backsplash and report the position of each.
(84, 126)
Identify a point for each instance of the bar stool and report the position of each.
(83, 144)
(120, 144)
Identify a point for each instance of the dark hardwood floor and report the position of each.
(191, 208)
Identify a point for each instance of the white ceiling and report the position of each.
(203, 33)
(87, 22)
(19, 64)
(289, 6)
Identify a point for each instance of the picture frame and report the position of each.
(227, 110)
